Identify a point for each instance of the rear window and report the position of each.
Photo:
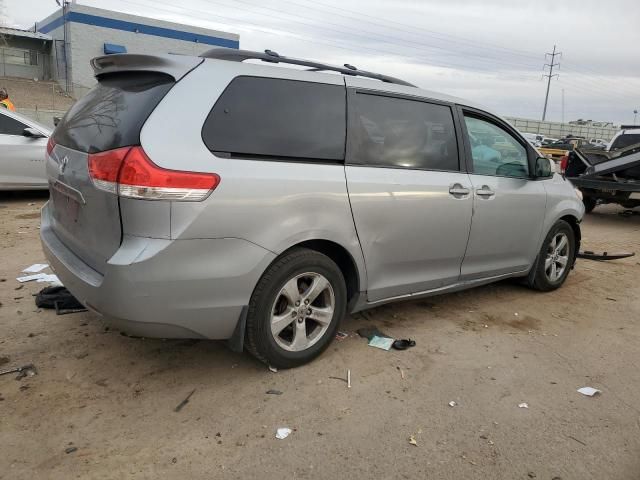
(278, 118)
(624, 141)
(111, 115)
(10, 126)
(394, 132)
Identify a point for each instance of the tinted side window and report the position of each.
(111, 115)
(278, 118)
(495, 151)
(624, 141)
(10, 126)
(395, 132)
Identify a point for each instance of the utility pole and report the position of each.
(553, 56)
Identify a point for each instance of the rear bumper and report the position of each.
(164, 288)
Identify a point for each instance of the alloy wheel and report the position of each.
(302, 311)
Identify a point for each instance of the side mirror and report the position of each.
(32, 133)
(543, 168)
(56, 121)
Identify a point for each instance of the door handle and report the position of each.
(485, 191)
(458, 190)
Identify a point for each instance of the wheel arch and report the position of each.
(341, 256)
(575, 226)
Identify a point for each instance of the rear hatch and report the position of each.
(85, 218)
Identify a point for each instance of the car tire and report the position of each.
(547, 273)
(284, 331)
(589, 203)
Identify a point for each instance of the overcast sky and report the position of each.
(490, 51)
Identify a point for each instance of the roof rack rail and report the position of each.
(270, 56)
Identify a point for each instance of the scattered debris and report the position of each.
(30, 278)
(282, 433)
(50, 278)
(371, 332)
(35, 268)
(19, 287)
(403, 344)
(174, 460)
(383, 343)
(273, 369)
(588, 391)
(612, 299)
(516, 314)
(26, 370)
(184, 402)
(60, 298)
(574, 438)
(588, 255)
(273, 392)
(531, 475)
(341, 335)
(523, 405)
(452, 403)
(401, 372)
(348, 378)
(70, 450)
(412, 441)
(340, 378)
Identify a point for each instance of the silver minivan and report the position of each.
(209, 197)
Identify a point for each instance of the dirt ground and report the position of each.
(488, 350)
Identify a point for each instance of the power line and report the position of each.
(549, 77)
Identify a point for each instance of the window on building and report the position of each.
(278, 118)
(394, 132)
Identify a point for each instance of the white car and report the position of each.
(23, 144)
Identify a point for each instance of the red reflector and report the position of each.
(50, 144)
(564, 161)
(140, 171)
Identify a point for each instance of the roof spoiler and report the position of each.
(177, 66)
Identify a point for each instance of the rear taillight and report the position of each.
(564, 161)
(130, 173)
(105, 166)
(50, 145)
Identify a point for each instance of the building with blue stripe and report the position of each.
(83, 33)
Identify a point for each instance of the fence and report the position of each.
(560, 130)
(41, 115)
(18, 62)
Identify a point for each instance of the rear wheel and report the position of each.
(555, 258)
(295, 309)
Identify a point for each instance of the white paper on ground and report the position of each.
(29, 278)
(523, 405)
(35, 268)
(50, 278)
(588, 391)
(283, 433)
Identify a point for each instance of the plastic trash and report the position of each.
(588, 391)
(282, 433)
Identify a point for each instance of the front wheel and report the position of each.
(295, 309)
(555, 258)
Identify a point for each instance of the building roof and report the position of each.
(15, 32)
